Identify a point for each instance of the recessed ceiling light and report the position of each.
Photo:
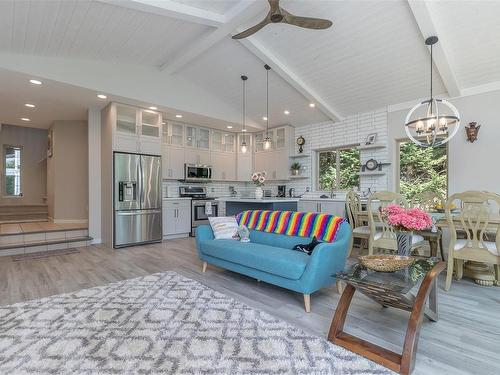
(153, 108)
(163, 123)
(312, 105)
(102, 96)
(264, 118)
(25, 119)
(229, 127)
(35, 82)
(243, 130)
(29, 105)
(149, 111)
(286, 112)
(178, 116)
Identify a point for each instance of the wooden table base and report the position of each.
(402, 363)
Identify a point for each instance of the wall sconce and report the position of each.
(472, 131)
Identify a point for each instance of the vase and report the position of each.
(403, 239)
(295, 172)
(259, 193)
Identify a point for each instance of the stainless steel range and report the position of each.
(201, 206)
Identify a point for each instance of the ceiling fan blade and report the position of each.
(274, 4)
(252, 30)
(305, 22)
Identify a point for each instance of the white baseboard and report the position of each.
(96, 241)
(62, 221)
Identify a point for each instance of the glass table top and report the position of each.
(397, 282)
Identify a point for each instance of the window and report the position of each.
(12, 163)
(422, 170)
(338, 169)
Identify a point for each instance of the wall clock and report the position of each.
(301, 141)
(371, 164)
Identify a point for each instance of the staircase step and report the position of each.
(46, 243)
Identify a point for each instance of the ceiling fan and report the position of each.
(279, 15)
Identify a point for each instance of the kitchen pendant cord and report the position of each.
(267, 99)
(431, 72)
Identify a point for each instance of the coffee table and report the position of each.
(408, 289)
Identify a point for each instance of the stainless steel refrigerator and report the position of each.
(137, 199)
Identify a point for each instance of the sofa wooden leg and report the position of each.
(204, 268)
(307, 302)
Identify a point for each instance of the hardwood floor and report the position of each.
(465, 340)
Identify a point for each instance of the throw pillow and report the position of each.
(224, 228)
(307, 248)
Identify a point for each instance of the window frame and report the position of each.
(337, 166)
(397, 177)
(4, 172)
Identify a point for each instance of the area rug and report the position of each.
(160, 324)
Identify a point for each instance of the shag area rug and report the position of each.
(160, 324)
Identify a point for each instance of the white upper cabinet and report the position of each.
(274, 160)
(197, 137)
(216, 141)
(173, 134)
(136, 130)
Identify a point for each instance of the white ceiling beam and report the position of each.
(172, 9)
(235, 17)
(289, 76)
(427, 26)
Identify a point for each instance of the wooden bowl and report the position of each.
(385, 263)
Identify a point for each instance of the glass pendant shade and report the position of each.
(267, 143)
(432, 122)
(244, 147)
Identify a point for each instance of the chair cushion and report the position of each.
(415, 239)
(490, 246)
(361, 230)
(275, 260)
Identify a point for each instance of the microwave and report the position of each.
(197, 173)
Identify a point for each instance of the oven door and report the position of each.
(197, 172)
(199, 216)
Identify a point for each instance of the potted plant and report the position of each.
(259, 178)
(405, 221)
(295, 167)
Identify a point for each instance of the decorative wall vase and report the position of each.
(295, 172)
(259, 193)
(404, 243)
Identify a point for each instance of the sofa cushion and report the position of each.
(275, 260)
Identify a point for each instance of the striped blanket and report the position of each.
(291, 223)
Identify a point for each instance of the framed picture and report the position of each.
(50, 144)
(371, 138)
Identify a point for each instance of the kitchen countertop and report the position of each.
(176, 199)
(253, 200)
(324, 199)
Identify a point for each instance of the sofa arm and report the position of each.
(203, 233)
(326, 260)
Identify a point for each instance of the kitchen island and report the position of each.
(236, 205)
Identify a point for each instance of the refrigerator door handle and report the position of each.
(134, 213)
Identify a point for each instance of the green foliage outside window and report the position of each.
(422, 170)
(338, 167)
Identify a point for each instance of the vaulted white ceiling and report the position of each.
(373, 56)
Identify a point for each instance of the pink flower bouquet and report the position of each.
(259, 178)
(406, 219)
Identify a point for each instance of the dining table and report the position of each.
(481, 273)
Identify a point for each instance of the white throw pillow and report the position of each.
(224, 228)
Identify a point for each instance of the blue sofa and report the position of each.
(269, 257)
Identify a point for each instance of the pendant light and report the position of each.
(432, 122)
(244, 147)
(267, 140)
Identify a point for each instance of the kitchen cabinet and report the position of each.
(173, 162)
(224, 166)
(176, 218)
(275, 163)
(195, 156)
(336, 208)
(173, 134)
(197, 137)
(244, 161)
(136, 130)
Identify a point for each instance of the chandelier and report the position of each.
(432, 122)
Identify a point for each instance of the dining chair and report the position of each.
(359, 230)
(477, 221)
(430, 201)
(382, 235)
